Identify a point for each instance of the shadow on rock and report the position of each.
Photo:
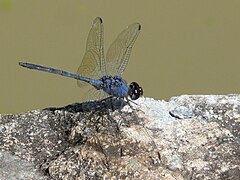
(104, 105)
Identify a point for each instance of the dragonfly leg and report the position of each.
(138, 109)
(128, 102)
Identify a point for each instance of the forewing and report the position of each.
(119, 52)
(93, 63)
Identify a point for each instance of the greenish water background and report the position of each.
(185, 47)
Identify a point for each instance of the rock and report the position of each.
(13, 167)
(188, 137)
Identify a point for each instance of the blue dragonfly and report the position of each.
(103, 74)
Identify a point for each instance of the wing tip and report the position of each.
(139, 27)
(98, 19)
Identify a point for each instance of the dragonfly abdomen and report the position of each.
(54, 71)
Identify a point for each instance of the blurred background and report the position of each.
(185, 47)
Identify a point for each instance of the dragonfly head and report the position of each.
(134, 90)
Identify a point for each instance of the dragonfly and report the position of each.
(103, 74)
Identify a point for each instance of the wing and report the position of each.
(93, 63)
(93, 94)
(119, 52)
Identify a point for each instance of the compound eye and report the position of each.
(135, 91)
(140, 91)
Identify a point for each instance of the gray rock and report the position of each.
(13, 167)
(188, 137)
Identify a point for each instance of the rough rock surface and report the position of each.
(187, 137)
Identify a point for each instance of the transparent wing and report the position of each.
(94, 94)
(119, 52)
(93, 63)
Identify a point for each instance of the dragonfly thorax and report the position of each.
(115, 86)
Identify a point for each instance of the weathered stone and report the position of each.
(188, 137)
